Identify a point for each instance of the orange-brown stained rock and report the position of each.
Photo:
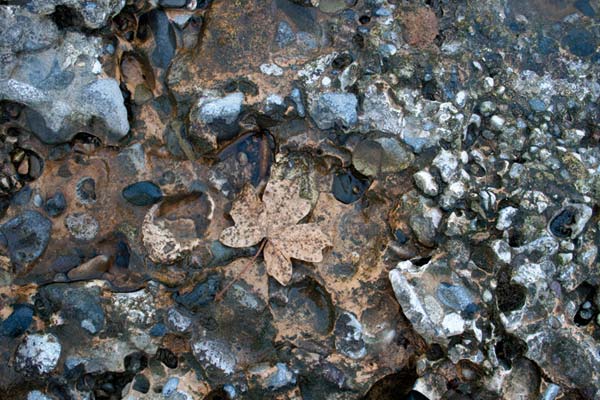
(420, 27)
(239, 37)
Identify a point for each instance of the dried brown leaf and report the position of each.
(275, 219)
(283, 204)
(278, 265)
(302, 242)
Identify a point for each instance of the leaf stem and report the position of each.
(219, 296)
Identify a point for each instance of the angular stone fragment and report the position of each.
(329, 110)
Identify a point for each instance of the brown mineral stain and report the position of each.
(420, 27)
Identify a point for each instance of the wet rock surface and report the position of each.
(440, 240)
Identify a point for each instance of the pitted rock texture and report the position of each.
(299, 199)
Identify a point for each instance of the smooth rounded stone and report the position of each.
(347, 187)
(348, 336)
(143, 193)
(27, 236)
(22, 197)
(82, 226)
(332, 6)
(122, 255)
(395, 157)
(537, 105)
(334, 109)
(56, 204)
(64, 263)
(487, 108)
(170, 387)
(85, 190)
(90, 269)
(37, 395)
(172, 3)
(38, 354)
(366, 157)
(497, 122)
(17, 322)
(384, 155)
(426, 183)
(141, 384)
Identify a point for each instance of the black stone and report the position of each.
(173, 3)
(136, 362)
(122, 255)
(167, 357)
(400, 236)
(27, 236)
(164, 36)
(348, 187)
(560, 225)
(580, 42)
(17, 322)
(141, 384)
(56, 204)
(143, 193)
(342, 61)
(202, 294)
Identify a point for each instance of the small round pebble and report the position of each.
(143, 193)
(56, 204)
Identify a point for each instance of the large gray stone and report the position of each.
(56, 75)
(334, 109)
(27, 236)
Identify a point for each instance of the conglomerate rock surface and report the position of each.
(449, 151)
